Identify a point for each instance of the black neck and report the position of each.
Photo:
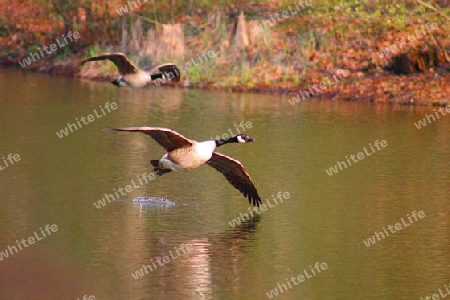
(156, 76)
(227, 141)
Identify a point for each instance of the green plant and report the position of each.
(4, 31)
(93, 51)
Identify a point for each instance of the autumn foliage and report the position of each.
(289, 55)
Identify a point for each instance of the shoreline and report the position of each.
(344, 92)
(393, 55)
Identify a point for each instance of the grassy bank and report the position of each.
(390, 51)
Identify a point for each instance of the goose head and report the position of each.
(240, 138)
(243, 138)
(119, 82)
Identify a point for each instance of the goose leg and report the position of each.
(160, 171)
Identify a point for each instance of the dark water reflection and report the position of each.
(326, 219)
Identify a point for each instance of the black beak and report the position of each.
(250, 139)
(116, 82)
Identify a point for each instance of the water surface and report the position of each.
(326, 218)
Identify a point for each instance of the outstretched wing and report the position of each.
(235, 173)
(123, 64)
(170, 70)
(166, 138)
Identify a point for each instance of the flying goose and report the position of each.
(186, 154)
(132, 75)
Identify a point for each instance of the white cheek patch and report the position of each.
(121, 81)
(240, 139)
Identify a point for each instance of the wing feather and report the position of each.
(170, 69)
(166, 138)
(235, 173)
(123, 64)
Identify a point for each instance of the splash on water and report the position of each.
(147, 200)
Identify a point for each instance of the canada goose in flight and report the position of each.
(132, 75)
(185, 154)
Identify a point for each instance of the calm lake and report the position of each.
(374, 226)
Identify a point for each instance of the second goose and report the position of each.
(132, 75)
